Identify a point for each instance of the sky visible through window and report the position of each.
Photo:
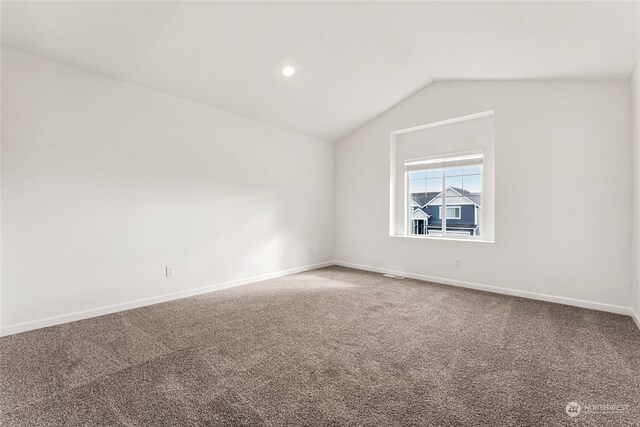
(468, 178)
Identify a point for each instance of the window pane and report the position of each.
(463, 190)
(471, 170)
(417, 186)
(417, 174)
(453, 212)
(454, 182)
(464, 219)
(472, 183)
(434, 185)
(434, 173)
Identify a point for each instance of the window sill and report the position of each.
(454, 239)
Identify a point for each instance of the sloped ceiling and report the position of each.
(354, 60)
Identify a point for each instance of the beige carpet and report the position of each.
(328, 347)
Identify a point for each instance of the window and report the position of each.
(452, 212)
(452, 182)
(442, 179)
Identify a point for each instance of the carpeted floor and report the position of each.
(328, 347)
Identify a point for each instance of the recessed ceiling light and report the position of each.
(288, 71)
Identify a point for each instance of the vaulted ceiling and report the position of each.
(354, 60)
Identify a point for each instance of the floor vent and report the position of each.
(393, 276)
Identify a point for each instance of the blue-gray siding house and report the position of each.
(463, 212)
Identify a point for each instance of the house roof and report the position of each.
(474, 197)
(420, 213)
(423, 199)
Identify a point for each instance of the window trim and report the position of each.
(443, 220)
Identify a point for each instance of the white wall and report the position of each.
(104, 183)
(635, 94)
(563, 191)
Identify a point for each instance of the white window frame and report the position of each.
(443, 220)
(459, 208)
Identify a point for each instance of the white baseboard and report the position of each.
(496, 289)
(636, 317)
(99, 311)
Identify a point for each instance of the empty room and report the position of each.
(324, 213)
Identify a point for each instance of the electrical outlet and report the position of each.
(456, 262)
(170, 271)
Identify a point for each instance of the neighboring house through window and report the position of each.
(452, 182)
